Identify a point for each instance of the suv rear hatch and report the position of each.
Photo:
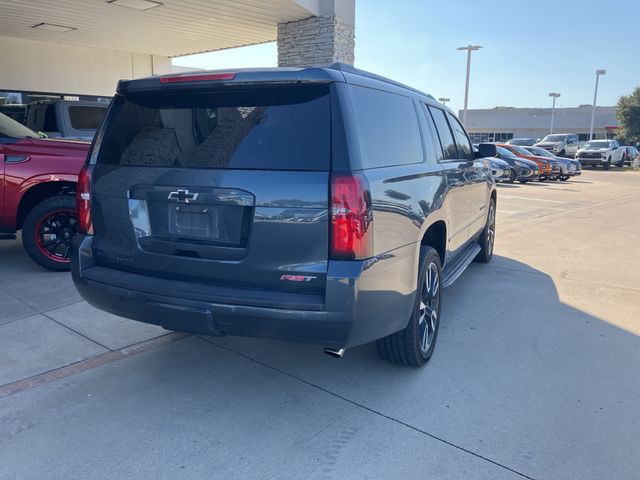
(223, 187)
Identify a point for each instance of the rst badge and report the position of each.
(297, 278)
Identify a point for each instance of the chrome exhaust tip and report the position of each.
(334, 352)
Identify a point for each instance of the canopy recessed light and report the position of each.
(53, 28)
(136, 4)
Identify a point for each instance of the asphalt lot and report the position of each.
(536, 373)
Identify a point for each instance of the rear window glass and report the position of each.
(274, 128)
(387, 126)
(86, 118)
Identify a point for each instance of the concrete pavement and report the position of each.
(536, 372)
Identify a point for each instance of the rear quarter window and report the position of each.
(387, 126)
(270, 128)
(465, 150)
(444, 132)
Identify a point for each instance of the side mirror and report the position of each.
(486, 150)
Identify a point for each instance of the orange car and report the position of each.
(545, 166)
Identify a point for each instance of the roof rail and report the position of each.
(343, 67)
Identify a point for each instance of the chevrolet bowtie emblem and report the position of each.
(184, 196)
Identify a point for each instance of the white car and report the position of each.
(601, 152)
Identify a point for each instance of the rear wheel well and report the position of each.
(38, 193)
(436, 237)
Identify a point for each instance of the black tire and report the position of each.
(512, 176)
(562, 153)
(606, 165)
(488, 236)
(415, 344)
(523, 181)
(564, 178)
(61, 212)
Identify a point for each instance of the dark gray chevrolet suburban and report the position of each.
(319, 205)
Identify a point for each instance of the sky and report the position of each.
(529, 49)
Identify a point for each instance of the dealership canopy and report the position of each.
(168, 28)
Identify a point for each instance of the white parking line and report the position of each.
(518, 197)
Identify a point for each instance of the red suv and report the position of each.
(38, 179)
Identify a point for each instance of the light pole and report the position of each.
(595, 98)
(469, 49)
(443, 100)
(553, 109)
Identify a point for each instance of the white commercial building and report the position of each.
(81, 48)
(502, 123)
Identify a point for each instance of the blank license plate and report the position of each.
(194, 221)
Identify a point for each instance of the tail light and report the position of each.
(351, 218)
(83, 201)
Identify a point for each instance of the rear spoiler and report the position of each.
(223, 78)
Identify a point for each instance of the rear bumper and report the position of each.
(351, 313)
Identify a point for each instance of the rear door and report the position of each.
(475, 174)
(459, 173)
(224, 187)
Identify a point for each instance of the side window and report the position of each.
(464, 145)
(432, 142)
(444, 132)
(387, 126)
(86, 118)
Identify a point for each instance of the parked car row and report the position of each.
(524, 164)
(604, 153)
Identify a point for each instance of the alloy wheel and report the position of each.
(54, 233)
(429, 302)
(491, 228)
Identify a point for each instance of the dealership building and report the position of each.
(502, 123)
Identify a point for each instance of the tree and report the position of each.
(628, 114)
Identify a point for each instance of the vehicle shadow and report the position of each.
(515, 370)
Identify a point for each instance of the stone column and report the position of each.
(319, 40)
